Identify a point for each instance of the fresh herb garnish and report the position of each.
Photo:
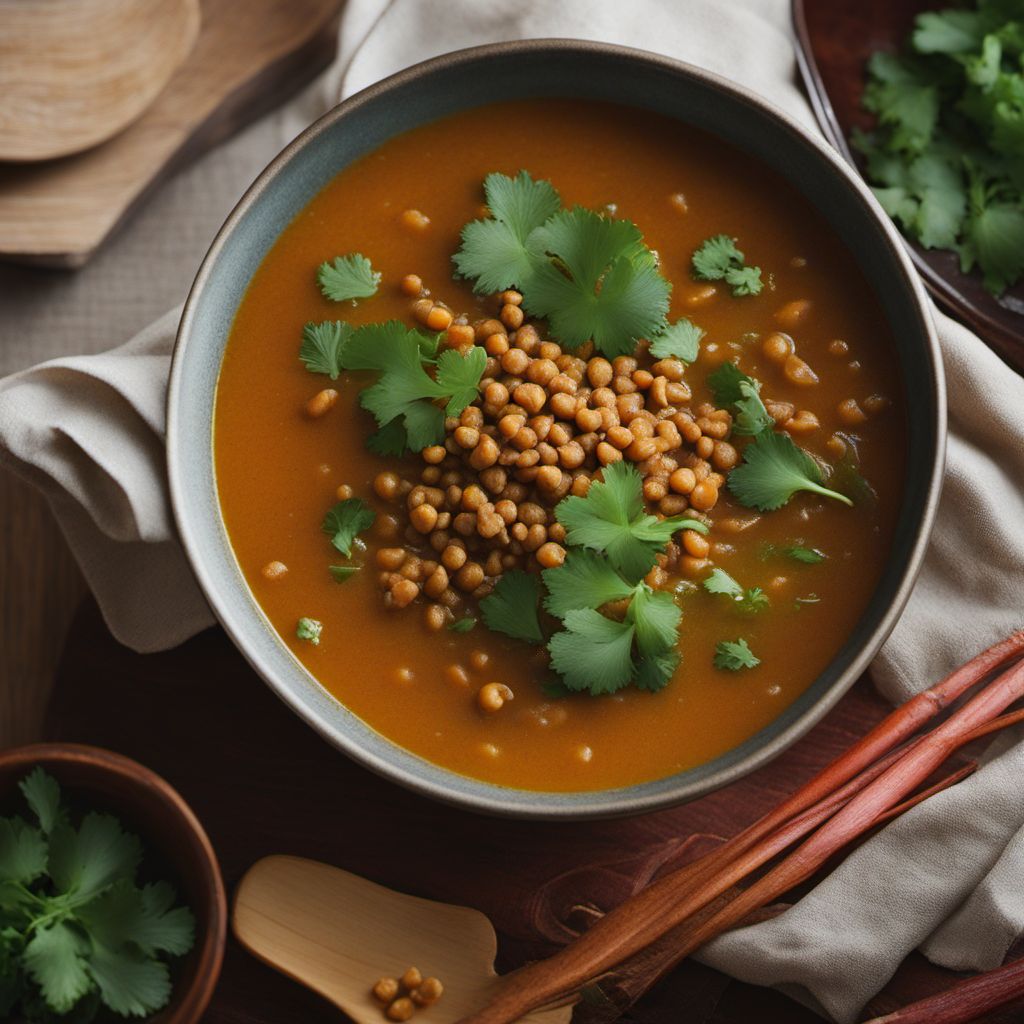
(611, 518)
(405, 391)
(734, 389)
(680, 340)
(773, 470)
(462, 625)
(347, 277)
(947, 156)
(494, 250)
(341, 573)
(733, 655)
(718, 259)
(77, 931)
(345, 520)
(511, 608)
(590, 275)
(593, 278)
(751, 599)
(585, 580)
(322, 345)
(809, 556)
(309, 630)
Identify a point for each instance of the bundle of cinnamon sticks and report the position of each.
(877, 779)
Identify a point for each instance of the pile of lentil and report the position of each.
(401, 996)
(545, 424)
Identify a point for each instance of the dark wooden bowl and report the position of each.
(148, 806)
(835, 39)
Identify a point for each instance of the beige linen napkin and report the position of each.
(948, 876)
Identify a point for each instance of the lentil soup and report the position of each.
(767, 598)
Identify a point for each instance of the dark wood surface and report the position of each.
(835, 39)
(263, 783)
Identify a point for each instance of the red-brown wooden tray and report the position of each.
(262, 783)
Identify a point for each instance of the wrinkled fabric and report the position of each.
(945, 878)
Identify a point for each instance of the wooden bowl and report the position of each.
(73, 73)
(148, 806)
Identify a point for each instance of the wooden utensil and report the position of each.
(835, 39)
(57, 213)
(76, 72)
(338, 933)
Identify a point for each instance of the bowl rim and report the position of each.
(490, 798)
(187, 1004)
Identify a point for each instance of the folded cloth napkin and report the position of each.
(945, 877)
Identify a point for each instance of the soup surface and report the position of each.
(831, 384)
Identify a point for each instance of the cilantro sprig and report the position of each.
(773, 470)
(322, 345)
(346, 278)
(346, 519)
(946, 158)
(733, 655)
(76, 930)
(680, 340)
(718, 259)
(590, 275)
(736, 390)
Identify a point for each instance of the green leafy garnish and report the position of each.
(511, 608)
(309, 630)
(322, 345)
(462, 625)
(345, 520)
(809, 556)
(734, 390)
(732, 655)
(751, 599)
(680, 340)
(773, 470)
(405, 392)
(718, 259)
(76, 931)
(341, 573)
(494, 250)
(347, 277)
(585, 580)
(611, 518)
(593, 278)
(946, 159)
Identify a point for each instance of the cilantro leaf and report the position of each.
(611, 519)
(459, 376)
(584, 580)
(733, 655)
(145, 917)
(733, 388)
(773, 470)
(347, 277)
(511, 608)
(341, 573)
(405, 391)
(22, 851)
(346, 519)
(494, 250)
(996, 234)
(955, 31)
(130, 983)
(593, 278)
(809, 556)
(391, 439)
(462, 625)
(322, 345)
(54, 959)
(655, 616)
(309, 630)
(899, 92)
(719, 259)
(593, 652)
(655, 672)
(680, 340)
(753, 599)
(42, 794)
(85, 861)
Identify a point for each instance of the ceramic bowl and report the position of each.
(442, 86)
(149, 807)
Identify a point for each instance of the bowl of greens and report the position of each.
(112, 904)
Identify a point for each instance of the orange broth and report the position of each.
(278, 469)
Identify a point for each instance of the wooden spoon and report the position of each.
(338, 933)
(75, 72)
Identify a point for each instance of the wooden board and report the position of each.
(248, 59)
(263, 783)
